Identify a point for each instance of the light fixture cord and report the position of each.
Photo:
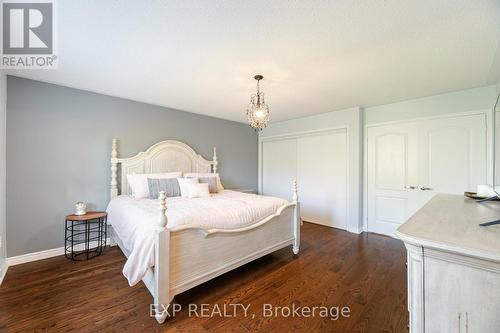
(258, 92)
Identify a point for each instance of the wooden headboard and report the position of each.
(165, 156)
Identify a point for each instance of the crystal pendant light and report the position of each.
(258, 111)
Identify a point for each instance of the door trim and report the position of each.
(301, 134)
(489, 152)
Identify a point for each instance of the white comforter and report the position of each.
(135, 221)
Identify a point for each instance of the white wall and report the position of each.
(459, 101)
(3, 108)
(352, 118)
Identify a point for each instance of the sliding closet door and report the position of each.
(322, 178)
(279, 167)
(319, 164)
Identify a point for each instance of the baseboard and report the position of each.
(3, 270)
(355, 230)
(29, 257)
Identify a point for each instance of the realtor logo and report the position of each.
(28, 35)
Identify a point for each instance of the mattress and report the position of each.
(135, 221)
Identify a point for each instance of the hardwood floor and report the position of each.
(335, 269)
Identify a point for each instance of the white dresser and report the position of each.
(453, 266)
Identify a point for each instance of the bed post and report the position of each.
(296, 220)
(162, 206)
(162, 296)
(114, 169)
(214, 160)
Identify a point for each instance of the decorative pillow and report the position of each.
(220, 188)
(183, 184)
(139, 182)
(198, 190)
(211, 181)
(169, 185)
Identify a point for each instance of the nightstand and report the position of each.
(85, 235)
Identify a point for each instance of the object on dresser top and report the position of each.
(200, 190)
(85, 235)
(139, 182)
(168, 185)
(199, 175)
(485, 191)
(476, 196)
(183, 185)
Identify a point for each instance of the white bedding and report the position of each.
(134, 221)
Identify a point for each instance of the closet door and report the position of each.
(322, 178)
(392, 153)
(452, 156)
(279, 167)
(408, 163)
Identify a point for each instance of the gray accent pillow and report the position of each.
(169, 185)
(211, 181)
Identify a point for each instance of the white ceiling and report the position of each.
(316, 56)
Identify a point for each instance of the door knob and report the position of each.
(410, 187)
(426, 188)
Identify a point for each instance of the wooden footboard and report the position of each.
(190, 256)
(220, 252)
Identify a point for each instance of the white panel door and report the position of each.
(392, 176)
(408, 163)
(452, 155)
(322, 178)
(279, 167)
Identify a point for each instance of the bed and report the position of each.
(191, 249)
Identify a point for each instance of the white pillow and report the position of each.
(183, 184)
(220, 188)
(139, 182)
(200, 190)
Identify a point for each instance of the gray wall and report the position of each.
(3, 95)
(58, 147)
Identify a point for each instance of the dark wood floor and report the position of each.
(335, 268)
